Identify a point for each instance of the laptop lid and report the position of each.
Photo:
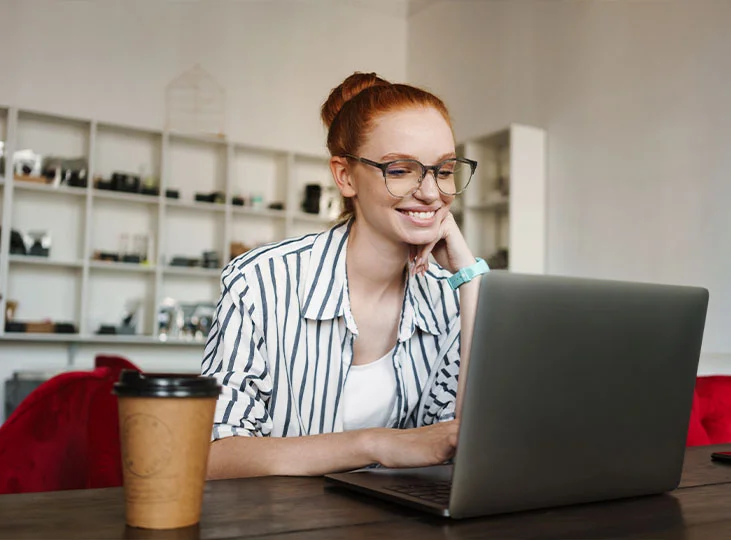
(578, 390)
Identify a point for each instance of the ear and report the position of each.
(341, 172)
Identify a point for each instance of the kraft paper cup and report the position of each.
(165, 423)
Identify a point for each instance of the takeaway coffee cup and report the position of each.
(165, 423)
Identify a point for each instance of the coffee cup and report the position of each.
(165, 422)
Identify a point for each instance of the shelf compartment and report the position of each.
(195, 205)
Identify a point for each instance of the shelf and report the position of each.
(312, 218)
(193, 137)
(44, 261)
(192, 271)
(129, 197)
(109, 339)
(122, 267)
(49, 188)
(194, 205)
(46, 338)
(259, 212)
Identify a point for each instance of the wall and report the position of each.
(634, 96)
(111, 61)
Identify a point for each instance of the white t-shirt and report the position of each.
(369, 395)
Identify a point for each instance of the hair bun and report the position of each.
(347, 90)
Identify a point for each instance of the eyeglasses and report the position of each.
(404, 176)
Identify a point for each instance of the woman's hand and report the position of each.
(418, 447)
(449, 249)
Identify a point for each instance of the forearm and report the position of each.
(468, 294)
(237, 457)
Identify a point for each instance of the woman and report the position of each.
(333, 348)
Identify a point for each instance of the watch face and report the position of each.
(148, 445)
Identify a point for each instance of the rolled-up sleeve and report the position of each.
(236, 356)
(441, 396)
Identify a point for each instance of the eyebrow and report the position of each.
(393, 156)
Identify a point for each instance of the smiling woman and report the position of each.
(340, 350)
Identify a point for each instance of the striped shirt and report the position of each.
(282, 341)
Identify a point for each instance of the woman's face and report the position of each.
(421, 134)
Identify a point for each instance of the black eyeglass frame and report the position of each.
(424, 170)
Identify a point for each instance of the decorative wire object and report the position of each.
(195, 103)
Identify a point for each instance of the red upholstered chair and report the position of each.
(65, 434)
(710, 418)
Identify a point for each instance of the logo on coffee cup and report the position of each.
(148, 444)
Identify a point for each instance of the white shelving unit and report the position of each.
(70, 286)
(504, 207)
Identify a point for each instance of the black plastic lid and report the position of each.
(179, 385)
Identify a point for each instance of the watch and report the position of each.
(464, 275)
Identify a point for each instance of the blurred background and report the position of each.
(146, 142)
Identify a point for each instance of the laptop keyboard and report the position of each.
(434, 492)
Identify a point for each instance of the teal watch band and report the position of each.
(464, 275)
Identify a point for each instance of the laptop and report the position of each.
(578, 390)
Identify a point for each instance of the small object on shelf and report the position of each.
(184, 261)
(64, 328)
(498, 260)
(106, 256)
(40, 243)
(128, 183)
(276, 206)
(107, 330)
(131, 258)
(237, 201)
(27, 164)
(60, 170)
(10, 307)
(213, 197)
(17, 244)
(152, 190)
(257, 201)
(330, 203)
(311, 203)
(130, 318)
(15, 326)
(100, 183)
(211, 259)
(172, 194)
(77, 181)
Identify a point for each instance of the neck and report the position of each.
(374, 264)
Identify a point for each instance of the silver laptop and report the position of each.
(578, 390)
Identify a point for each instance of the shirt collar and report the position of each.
(325, 294)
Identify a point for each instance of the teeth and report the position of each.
(421, 215)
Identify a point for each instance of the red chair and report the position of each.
(65, 434)
(710, 417)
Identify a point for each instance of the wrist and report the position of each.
(371, 441)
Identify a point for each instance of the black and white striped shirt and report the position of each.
(282, 342)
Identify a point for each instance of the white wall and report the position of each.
(635, 99)
(277, 61)
(111, 61)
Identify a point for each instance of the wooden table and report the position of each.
(306, 508)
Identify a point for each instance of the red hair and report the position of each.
(352, 107)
